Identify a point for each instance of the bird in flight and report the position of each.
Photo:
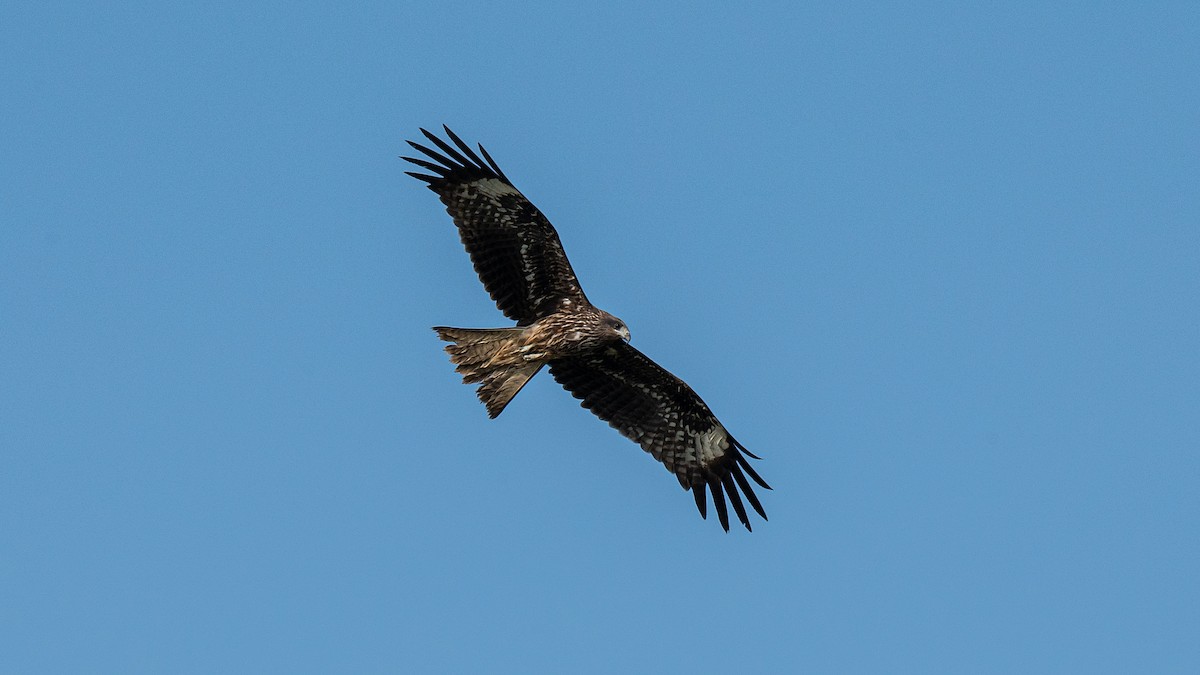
(520, 260)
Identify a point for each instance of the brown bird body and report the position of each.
(502, 360)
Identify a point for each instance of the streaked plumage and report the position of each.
(520, 260)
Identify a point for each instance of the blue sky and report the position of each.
(937, 264)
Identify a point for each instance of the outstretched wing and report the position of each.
(516, 251)
(660, 412)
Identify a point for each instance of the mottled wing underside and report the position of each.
(661, 413)
(514, 248)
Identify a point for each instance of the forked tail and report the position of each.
(491, 357)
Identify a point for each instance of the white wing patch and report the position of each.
(494, 187)
(710, 445)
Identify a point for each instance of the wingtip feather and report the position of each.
(749, 492)
(742, 462)
(423, 176)
(736, 500)
(718, 497)
(492, 163)
(701, 500)
(448, 149)
(466, 149)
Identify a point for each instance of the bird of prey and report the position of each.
(519, 258)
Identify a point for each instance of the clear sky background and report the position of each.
(939, 265)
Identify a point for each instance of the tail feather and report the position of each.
(490, 357)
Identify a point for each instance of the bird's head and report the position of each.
(616, 326)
